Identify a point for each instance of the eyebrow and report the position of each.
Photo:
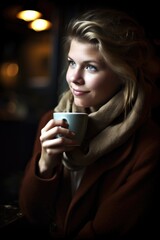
(88, 61)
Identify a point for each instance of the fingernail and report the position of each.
(64, 120)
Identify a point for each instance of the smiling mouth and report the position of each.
(78, 92)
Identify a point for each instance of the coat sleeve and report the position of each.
(37, 194)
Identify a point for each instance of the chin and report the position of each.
(81, 104)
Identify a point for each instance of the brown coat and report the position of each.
(115, 196)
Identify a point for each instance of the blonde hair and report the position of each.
(121, 42)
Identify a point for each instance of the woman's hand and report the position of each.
(53, 146)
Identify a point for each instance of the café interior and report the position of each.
(31, 78)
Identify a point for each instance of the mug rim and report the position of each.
(70, 113)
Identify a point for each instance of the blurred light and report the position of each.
(9, 73)
(29, 15)
(40, 25)
(10, 69)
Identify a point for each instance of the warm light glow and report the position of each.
(40, 25)
(9, 73)
(10, 69)
(29, 15)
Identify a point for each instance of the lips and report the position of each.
(78, 92)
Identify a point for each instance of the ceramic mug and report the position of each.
(77, 122)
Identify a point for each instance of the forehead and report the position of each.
(84, 49)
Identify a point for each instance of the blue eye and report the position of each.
(71, 63)
(91, 68)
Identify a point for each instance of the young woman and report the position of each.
(105, 188)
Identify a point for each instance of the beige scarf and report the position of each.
(107, 129)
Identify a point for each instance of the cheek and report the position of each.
(96, 83)
(92, 81)
(67, 76)
(105, 86)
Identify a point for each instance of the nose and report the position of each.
(77, 76)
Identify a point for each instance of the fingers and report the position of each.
(52, 123)
(58, 150)
(58, 142)
(53, 128)
(55, 134)
(52, 145)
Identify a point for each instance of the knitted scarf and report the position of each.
(107, 127)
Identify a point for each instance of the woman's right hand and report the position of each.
(53, 146)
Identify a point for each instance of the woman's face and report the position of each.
(90, 80)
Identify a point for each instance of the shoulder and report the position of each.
(148, 137)
(45, 118)
(47, 115)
